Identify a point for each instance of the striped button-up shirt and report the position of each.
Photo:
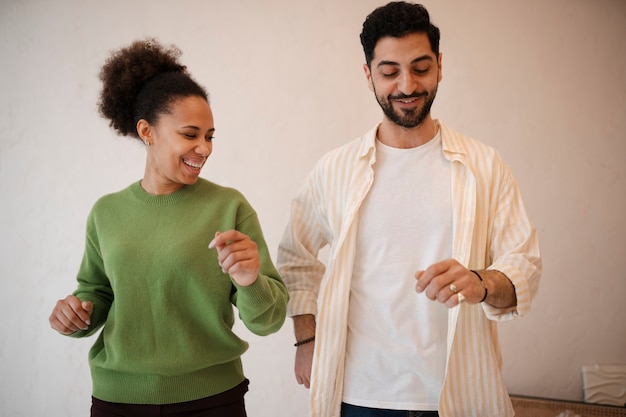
(491, 229)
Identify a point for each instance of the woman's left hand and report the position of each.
(238, 255)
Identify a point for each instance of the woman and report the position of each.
(168, 257)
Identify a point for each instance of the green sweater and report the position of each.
(164, 302)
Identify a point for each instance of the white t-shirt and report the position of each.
(396, 347)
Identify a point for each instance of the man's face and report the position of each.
(404, 74)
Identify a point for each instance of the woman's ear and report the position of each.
(144, 130)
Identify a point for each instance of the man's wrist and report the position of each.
(482, 283)
(305, 341)
(304, 327)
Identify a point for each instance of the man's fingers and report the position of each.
(426, 282)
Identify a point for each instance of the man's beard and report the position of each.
(407, 118)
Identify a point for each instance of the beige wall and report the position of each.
(542, 81)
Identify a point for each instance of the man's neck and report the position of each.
(397, 136)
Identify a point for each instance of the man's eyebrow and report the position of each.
(415, 61)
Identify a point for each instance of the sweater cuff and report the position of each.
(260, 290)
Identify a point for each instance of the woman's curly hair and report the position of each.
(141, 81)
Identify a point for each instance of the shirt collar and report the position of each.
(368, 144)
(450, 145)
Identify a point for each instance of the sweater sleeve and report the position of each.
(93, 284)
(263, 305)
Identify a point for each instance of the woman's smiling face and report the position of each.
(179, 145)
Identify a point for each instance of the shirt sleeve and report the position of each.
(298, 251)
(514, 247)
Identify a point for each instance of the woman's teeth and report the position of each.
(193, 164)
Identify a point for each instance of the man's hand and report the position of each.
(444, 281)
(304, 328)
(304, 362)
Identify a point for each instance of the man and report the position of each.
(430, 246)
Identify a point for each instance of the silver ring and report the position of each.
(453, 288)
(461, 298)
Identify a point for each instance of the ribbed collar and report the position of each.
(182, 194)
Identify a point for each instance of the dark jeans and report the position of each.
(348, 410)
(229, 403)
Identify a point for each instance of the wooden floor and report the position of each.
(543, 407)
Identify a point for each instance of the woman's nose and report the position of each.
(204, 148)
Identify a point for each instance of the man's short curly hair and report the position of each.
(140, 82)
(397, 19)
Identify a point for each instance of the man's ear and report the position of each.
(368, 75)
(440, 68)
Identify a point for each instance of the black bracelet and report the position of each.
(483, 284)
(305, 341)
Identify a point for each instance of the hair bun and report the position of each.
(126, 72)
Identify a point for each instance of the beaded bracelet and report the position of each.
(305, 341)
(483, 284)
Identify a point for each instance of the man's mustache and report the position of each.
(405, 96)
